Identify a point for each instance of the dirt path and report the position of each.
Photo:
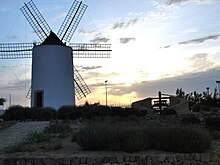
(18, 131)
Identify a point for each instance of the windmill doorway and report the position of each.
(39, 99)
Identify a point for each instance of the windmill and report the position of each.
(55, 80)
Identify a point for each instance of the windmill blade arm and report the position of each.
(15, 50)
(81, 89)
(87, 50)
(36, 20)
(71, 21)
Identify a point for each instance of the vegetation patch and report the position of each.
(87, 111)
(35, 141)
(58, 127)
(190, 119)
(105, 136)
(168, 111)
(181, 139)
(213, 123)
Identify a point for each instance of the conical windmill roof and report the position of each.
(52, 39)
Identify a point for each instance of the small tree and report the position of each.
(210, 99)
(180, 93)
(2, 101)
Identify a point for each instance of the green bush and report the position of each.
(65, 112)
(52, 144)
(181, 139)
(213, 122)
(47, 114)
(41, 114)
(168, 111)
(105, 136)
(36, 137)
(62, 128)
(19, 147)
(74, 136)
(190, 119)
(27, 144)
(17, 112)
(94, 136)
(128, 139)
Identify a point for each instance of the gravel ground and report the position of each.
(18, 131)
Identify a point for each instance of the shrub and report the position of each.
(128, 139)
(15, 112)
(18, 147)
(27, 144)
(190, 119)
(196, 107)
(103, 136)
(94, 136)
(65, 112)
(213, 122)
(215, 134)
(47, 114)
(181, 139)
(168, 111)
(62, 128)
(36, 137)
(52, 144)
(123, 112)
(74, 136)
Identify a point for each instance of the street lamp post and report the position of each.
(106, 94)
(218, 82)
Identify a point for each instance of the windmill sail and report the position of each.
(83, 50)
(28, 96)
(71, 21)
(16, 50)
(36, 20)
(81, 89)
(65, 33)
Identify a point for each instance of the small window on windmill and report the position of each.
(39, 99)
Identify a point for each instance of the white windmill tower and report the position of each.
(55, 81)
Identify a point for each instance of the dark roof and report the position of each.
(52, 39)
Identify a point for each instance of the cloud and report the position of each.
(86, 68)
(57, 17)
(189, 82)
(195, 41)
(111, 87)
(126, 40)
(15, 85)
(201, 61)
(93, 74)
(3, 9)
(13, 37)
(165, 47)
(125, 24)
(84, 31)
(200, 40)
(100, 39)
(180, 2)
(58, 7)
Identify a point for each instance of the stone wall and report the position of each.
(181, 105)
(112, 159)
(142, 104)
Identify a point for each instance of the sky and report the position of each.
(157, 45)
